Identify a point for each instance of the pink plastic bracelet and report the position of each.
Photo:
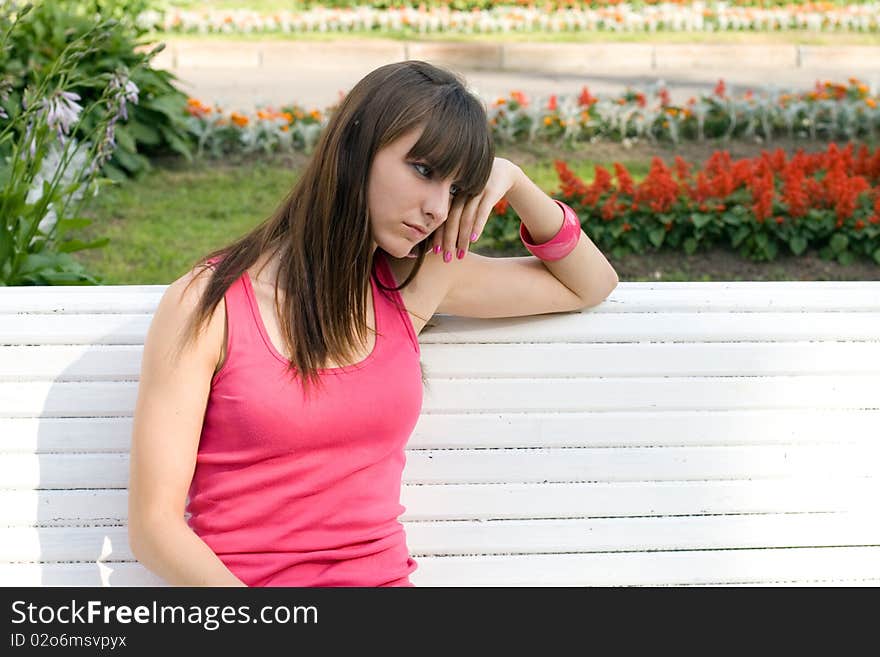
(562, 243)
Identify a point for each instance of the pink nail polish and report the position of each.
(437, 248)
(473, 237)
(447, 257)
(460, 254)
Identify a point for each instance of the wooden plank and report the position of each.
(588, 326)
(475, 430)
(678, 359)
(85, 299)
(651, 394)
(585, 500)
(65, 434)
(48, 508)
(849, 566)
(65, 544)
(737, 296)
(523, 465)
(106, 328)
(79, 574)
(576, 327)
(541, 465)
(643, 534)
(71, 362)
(108, 399)
(794, 565)
(644, 428)
(123, 362)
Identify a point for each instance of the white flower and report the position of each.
(124, 91)
(62, 111)
(48, 170)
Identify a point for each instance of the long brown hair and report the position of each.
(321, 231)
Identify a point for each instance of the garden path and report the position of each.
(243, 76)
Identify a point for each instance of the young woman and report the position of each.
(281, 378)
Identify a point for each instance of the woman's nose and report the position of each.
(437, 205)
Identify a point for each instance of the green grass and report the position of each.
(160, 224)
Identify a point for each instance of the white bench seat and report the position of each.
(676, 434)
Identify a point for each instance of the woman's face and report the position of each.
(404, 191)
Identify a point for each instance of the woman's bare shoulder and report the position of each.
(426, 291)
(180, 301)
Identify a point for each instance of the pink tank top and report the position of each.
(296, 491)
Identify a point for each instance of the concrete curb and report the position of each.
(532, 57)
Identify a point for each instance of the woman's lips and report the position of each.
(416, 230)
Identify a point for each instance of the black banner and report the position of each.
(259, 620)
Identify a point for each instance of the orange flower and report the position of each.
(239, 119)
(870, 102)
(195, 107)
(520, 98)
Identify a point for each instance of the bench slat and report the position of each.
(89, 399)
(556, 327)
(54, 544)
(514, 501)
(473, 430)
(658, 326)
(738, 296)
(849, 566)
(525, 465)
(86, 363)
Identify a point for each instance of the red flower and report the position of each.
(601, 184)
(658, 189)
(585, 99)
(551, 105)
(794, 195)
(720, 89)
(664, 97)
(610, 208)
(624, 180)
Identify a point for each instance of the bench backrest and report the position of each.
(679, 433)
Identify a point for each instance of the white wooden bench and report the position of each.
(679, 433)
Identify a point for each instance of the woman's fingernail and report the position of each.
(473, 237)
(437, 248)
(460, 254)
(447, 257)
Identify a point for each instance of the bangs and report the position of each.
(456, 143)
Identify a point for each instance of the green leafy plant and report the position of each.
(155, 126)
(47, 173)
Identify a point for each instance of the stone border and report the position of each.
(537, 57)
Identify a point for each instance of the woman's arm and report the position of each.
(585, 271)
(172, 397)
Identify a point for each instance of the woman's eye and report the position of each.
(428, 175)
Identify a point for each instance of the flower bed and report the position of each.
(508, 17)
(830, 111)
(829, 201)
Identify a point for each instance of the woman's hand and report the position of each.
(466, 220)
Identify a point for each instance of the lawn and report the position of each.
(159, 225)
